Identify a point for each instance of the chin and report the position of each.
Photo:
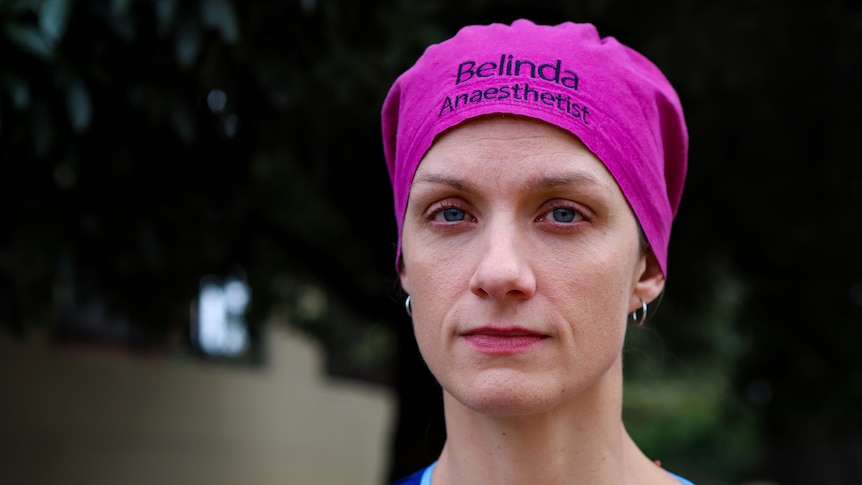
(495, 398)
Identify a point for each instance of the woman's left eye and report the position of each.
(562, 214)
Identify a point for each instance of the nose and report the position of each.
(504, 271)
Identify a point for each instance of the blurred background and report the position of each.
(196, 259)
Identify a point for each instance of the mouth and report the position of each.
(503, 340)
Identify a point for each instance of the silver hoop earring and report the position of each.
(640, 321)
(408, 307)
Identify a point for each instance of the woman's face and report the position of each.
(522, 260)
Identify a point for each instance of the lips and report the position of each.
(503, 340)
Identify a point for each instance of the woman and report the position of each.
(536, 171)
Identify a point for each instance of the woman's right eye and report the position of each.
(451, 214)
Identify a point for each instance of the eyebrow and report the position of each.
(454, 182)
(574, 178)
(542, 182)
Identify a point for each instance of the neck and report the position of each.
(579, 442)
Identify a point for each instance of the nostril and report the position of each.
(501, 282)
(503, 269)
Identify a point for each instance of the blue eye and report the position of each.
(561, 214)
(453, 214)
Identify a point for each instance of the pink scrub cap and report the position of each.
(611, 97)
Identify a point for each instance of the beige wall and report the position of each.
(98, 418)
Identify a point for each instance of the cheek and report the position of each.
(432, 270)
(593, 287)
(438, 280)
(432, 287)
(592, 312)
(434, 296)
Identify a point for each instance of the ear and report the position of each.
(649, 281)
(405, 280)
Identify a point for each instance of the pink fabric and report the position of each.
(608, 95)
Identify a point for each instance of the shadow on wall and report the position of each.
(72, 417)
